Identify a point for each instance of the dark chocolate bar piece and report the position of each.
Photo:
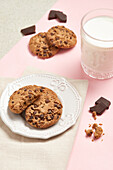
(99, 108)
(104, 101)
(28, 30)
(52, 15)
(61, 16)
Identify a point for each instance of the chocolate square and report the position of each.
(61, 16)
(52, 15)
(99, 108)
(104, 101)
(28, 30)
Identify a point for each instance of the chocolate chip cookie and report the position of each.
(45, 111)
(39, 45)
(22, 98)
(61, 37)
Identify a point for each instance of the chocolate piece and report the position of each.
(47, 101)
(52, 15)
(99, 108)
(57, 15)
(61, 16)
(104, 101)
(28, 30)
(49, 111)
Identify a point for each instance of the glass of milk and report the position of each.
(97, 43)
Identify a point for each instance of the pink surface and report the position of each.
(86, 154)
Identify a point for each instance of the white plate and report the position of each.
(68, 95)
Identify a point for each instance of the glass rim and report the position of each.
(99, 9)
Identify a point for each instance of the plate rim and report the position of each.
(47, 136)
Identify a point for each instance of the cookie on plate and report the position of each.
(22, 98)
(45, 111)
(39, 45)
(61, 37)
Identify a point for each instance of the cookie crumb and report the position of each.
(101, 139)
(89, 132)
(89, 125)
(100, 124)
(98, 132)
(92, 140)
(94, 115)
(94, 126)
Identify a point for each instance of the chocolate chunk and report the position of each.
(52, 15)
(44, 47)
(30, 96)
(43, 36)
(52, 33)
(57, 15)
(29, 91)
(45, 51)
(104, 101)
(61, 16)
(52, 117)
(31, 117)
(38, 111)
(49, 111)
(57, 38)
(41, 90)
(28, 30)
(35, 106)
(29, 120)
(47, 101)
(41, 116)
(42, 87)
(48, 117)
(35, 90)
(65, 42)
(99, 108)
(57, 105)
(34, 123)
(45, 54)
(50, 54)
(34, 112)
(57, 116)
(36, 117)
(12, 101)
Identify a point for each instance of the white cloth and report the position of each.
(22, 153)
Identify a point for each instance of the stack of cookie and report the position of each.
(41, 105)
(46, 45)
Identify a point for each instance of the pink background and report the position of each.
(85, 154)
